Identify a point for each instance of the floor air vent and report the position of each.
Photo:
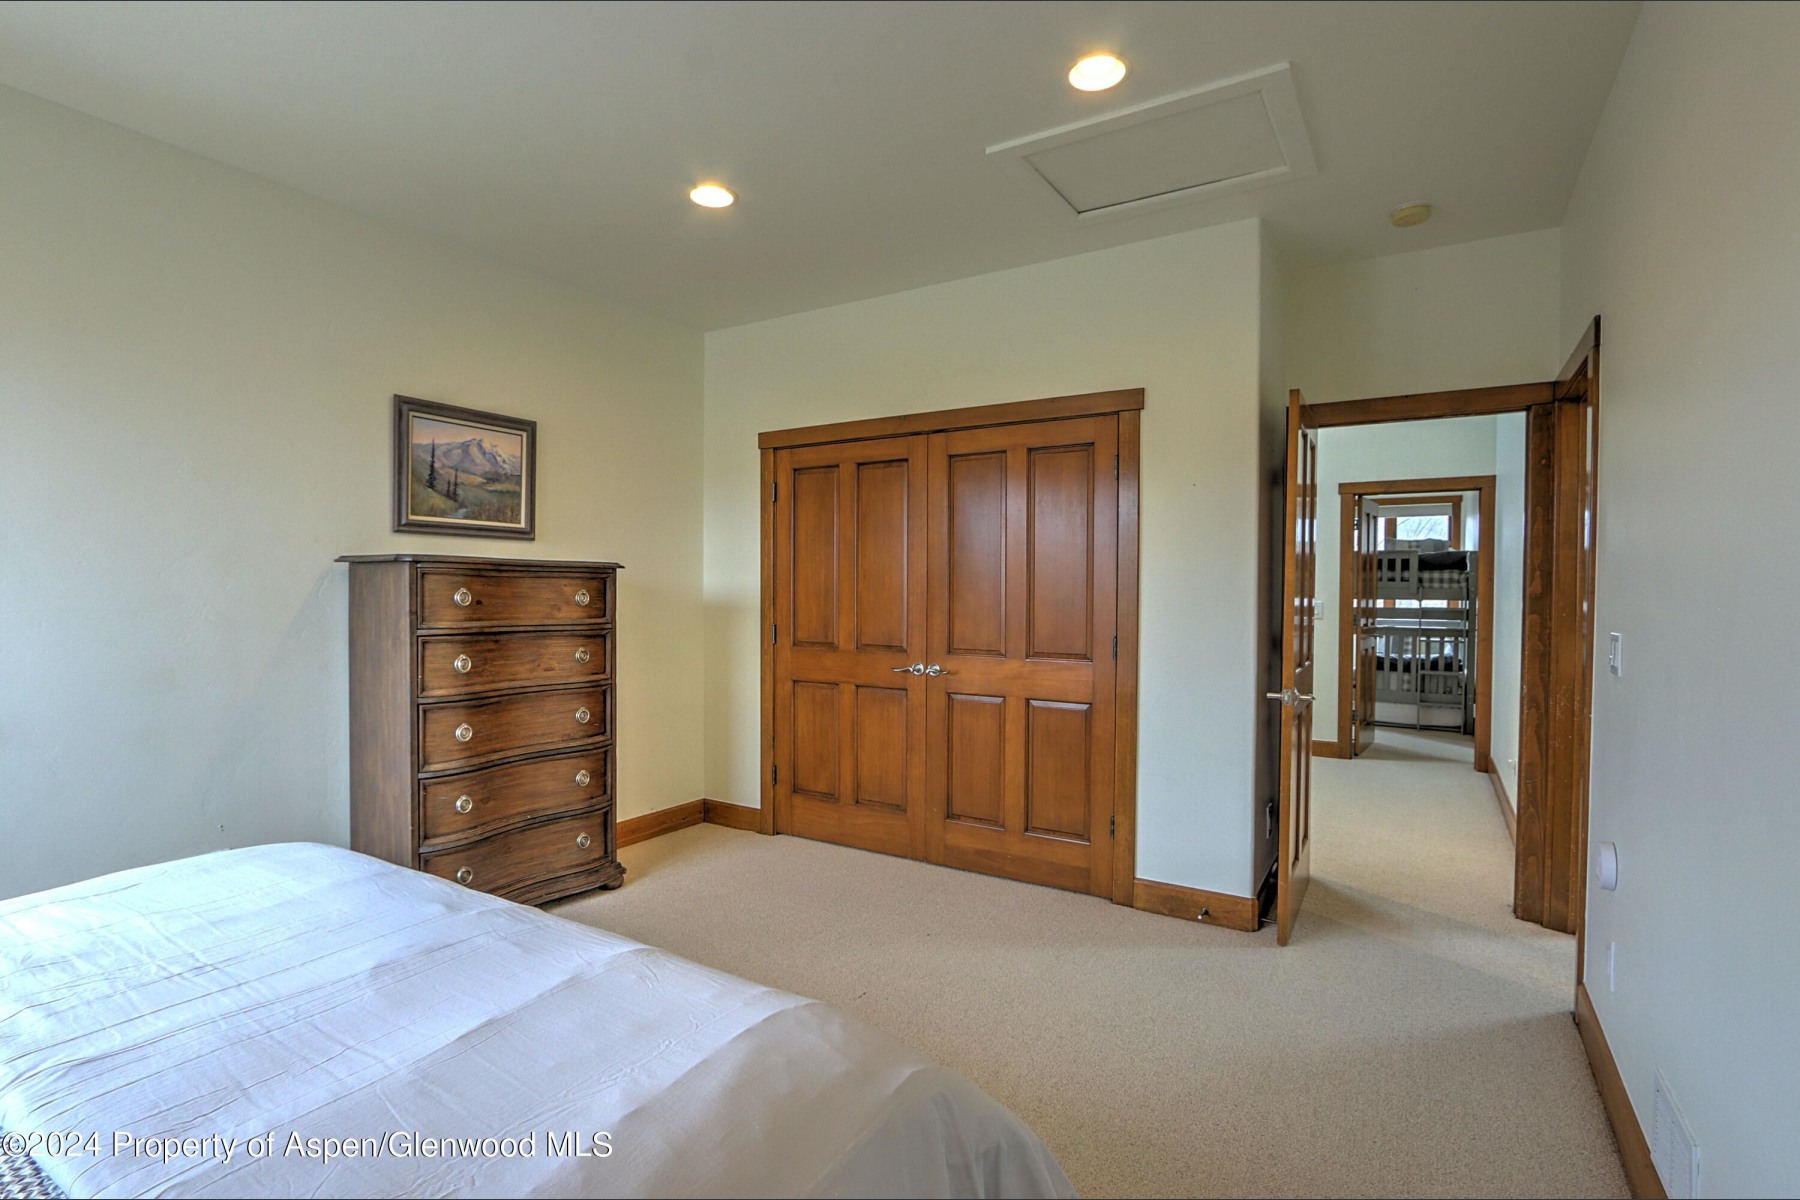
(1226, 137)
(1672, 1146)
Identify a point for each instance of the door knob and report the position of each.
(915, 669)
(934, 671)
(1288, 697)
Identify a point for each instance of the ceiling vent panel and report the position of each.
(1225, 137)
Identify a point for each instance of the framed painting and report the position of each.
(460, 471)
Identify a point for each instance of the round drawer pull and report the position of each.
(583, 716)
(583, 777)
(582, 655)
(583, 840)
(463, 597)
(464, 804)
(582, 597)
(463, 664)
(464, 732)
(465, 875)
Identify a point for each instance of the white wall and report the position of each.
(1682, 235)
(1356, 453)
(195, 371)
(1508, 542)
(1178, 317)
(1470, 315)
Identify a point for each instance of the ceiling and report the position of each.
(564, 137)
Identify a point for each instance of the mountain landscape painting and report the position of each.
(463, 471)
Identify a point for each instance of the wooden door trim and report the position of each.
(1128, 406)
(1125, 670)
(766, 822)
(1427, 406)
(1018, 412)
(1483, 487)
(1561, 502)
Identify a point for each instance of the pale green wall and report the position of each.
(195, 372)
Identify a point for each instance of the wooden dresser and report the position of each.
(481, 720)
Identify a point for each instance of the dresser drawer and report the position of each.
(450, 599)
(458, 663)
(456, 733)
(525, 858)
(464, 805)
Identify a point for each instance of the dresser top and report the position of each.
(470, 560)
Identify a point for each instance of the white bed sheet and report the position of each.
(305, 990)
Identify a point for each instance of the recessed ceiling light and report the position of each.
(1097, 72)
(712, 195)
(1408, 215)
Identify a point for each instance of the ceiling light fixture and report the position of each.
(1408, 215)
(713, 195)
(1097, 72)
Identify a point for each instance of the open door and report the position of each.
(1294, 842)
(1363, 613)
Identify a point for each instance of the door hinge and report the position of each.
(772, 775)
(771, 635)
(1115, 647)
(1112, 825)
(1115, 466)
(772, 486)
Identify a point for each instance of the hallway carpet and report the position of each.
(1413, 1040)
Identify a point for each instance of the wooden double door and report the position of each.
(944, 641)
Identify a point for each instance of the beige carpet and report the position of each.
(1413, 1040)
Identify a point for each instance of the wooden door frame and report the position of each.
(1127, 405)
(1483, 486)
(1556, 674)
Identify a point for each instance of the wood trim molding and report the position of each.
(1483, 486)
(1634, 1149)
(1329, 749)
(663, 820)
(1125, 670)
(768, 647)
(1506, 807)
(1409, 487)
(1426, 406)
(733, 816)
(1211, 908)
(1089, 404)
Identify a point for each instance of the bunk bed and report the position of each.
(1423, 645)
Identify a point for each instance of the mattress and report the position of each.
(302, 1020)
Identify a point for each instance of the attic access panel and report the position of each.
(1225, 137)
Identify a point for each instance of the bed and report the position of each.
(322, 1023)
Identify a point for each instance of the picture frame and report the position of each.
(462, 471)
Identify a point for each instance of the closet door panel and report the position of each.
(974, 751)
(1060, 548)
(1023, 599)
(974, 567)
(882, 561)
(850, 619)
(815, 557)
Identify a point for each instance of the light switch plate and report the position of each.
(1615, 653)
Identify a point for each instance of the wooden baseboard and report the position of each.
(665, 820)
(733, 816)
(1329, 749)
(1634, 1150)
(1173, 900)
(1506, 805)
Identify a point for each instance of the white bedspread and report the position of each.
(298, 992)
